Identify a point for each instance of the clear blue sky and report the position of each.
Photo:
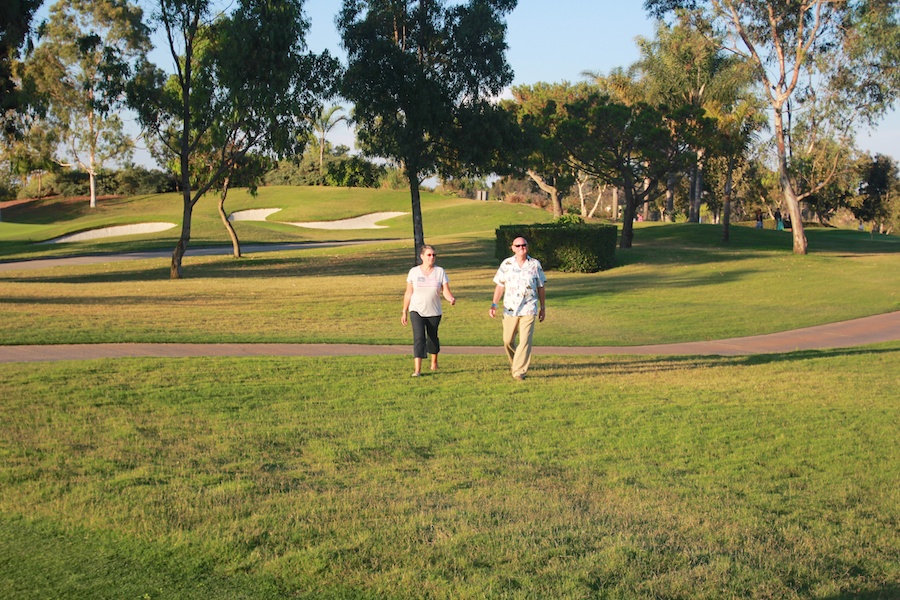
(549, 40)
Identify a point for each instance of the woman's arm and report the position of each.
(448, 295)
(406, 298)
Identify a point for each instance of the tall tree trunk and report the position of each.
(693, 213)
(184, 154)
(726, 202)
(597, 202)
(628, 219)
(555, 202)
(93, 182)
(670, 198)
(581, 184)
(187, 209)
(697, 186)
(416, 199)
(615, 204)
(182, 245)
(321, 160)
(235, 243)
(787, 188)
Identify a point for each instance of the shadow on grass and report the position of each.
(890, 592)
(630, 365)
(343, 262)
(47, 211)
(701, 243)
(597, 286)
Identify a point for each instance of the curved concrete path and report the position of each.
(858, 332)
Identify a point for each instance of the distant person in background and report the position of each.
(425, 284)
(779, 224)
(520, 281)
(759, 219)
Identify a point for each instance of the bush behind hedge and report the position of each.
(563, 246)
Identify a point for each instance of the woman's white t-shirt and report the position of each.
(426, 296)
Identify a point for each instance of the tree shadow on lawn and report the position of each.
(263, 265)
(596, 285)
(692, 243)
(632, 365)
(888, 592)
(57, 209)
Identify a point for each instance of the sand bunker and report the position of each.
(364, 222)
(118, 230)
(258, 214)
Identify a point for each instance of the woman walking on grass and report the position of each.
(425, 284)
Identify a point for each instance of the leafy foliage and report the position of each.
(15, 18)
(421, 76)
(88, 53)
(879, 197)
(835, 64)
(633, 147)
(214, 110)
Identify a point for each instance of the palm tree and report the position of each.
(325, 122)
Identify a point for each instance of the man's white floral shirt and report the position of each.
(521, 285)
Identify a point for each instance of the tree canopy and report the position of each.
(215, 108)
(835, 62)
(633, 147)
(88, 52)
(15, 25)
(421, 75)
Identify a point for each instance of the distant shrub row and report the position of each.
(567, 245)
(129, 181)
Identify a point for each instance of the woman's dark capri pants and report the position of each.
(425, 334)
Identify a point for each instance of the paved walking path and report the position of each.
(858, 332)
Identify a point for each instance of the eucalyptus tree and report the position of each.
(243, 81)
(684, 64)
(15, 26)
(421, 75)
(88, 51)
(878, 200)
(833, 59)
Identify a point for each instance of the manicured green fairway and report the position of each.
(767, 477)
(772, 476)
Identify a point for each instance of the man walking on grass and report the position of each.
(520, 280)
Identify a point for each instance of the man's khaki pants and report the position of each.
(519, 354)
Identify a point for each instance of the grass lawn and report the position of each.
(611, 477)
(677, 284)
(771, 476)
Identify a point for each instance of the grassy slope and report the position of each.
(679, 283)
(25, 224)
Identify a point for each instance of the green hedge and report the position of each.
(563, 246)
